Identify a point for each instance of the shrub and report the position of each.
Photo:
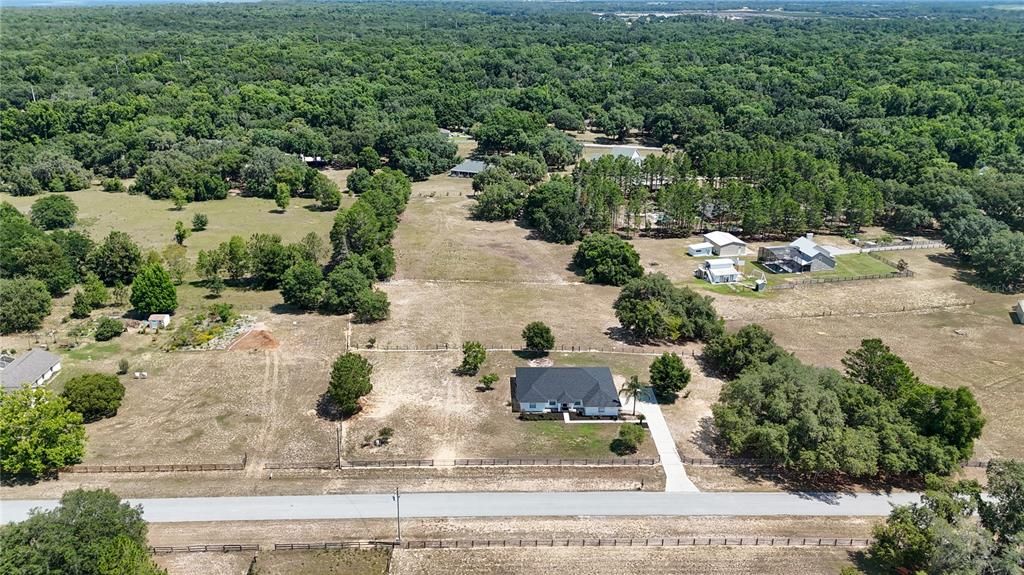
(473, 356)
(350, 380)
(94, 395)
(199, 222)
(122, 366)
(53, 212)
(487, 382)
(371, 306)
(108, 328)
(113, 185)
(538, 337)
(668, 377)
(631, 436)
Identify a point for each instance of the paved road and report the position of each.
(675, 474)
(568, 504)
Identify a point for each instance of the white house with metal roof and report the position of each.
(34, 367)
(719, 271)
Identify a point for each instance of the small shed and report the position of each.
(1018, 312)
(467, 169)
(159, 321)
(719, 271)
(700, 250)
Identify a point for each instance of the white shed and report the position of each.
(159, 320)
(700, 250)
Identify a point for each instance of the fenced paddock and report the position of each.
(904, 246)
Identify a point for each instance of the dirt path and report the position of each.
(268, 390)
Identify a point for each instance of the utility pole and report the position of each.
(398, 513)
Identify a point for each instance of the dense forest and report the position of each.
(846, 116)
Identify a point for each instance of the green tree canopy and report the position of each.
(54, 211)
(153, 291)
(669, 376)
(116, 259)
(350, 380)
(24, 303)
(607, 259)
(38, 433)
(538, 337)
(653, 309)
(89, 532)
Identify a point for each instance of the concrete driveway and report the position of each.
(675, 474)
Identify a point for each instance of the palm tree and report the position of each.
(632, 389)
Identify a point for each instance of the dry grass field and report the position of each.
(623, 561)
(438, 415)
(323, 562)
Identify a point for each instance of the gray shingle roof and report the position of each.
(470, 167)
(591, 385)
(27, 368)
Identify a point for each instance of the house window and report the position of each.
(552, 403)
(577, 403)
(532, 405)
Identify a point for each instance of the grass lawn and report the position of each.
(857, 265)
(586, 440)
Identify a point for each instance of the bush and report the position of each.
(54, 212)
(80, 307)
(538, 337)
(473, 356)
(113, 185)
(94, 395)
(108, 328)
(631, 436)
(122, 366)
(487, 382)
(668, 377)
(199, 222)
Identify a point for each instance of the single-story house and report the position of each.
(1018, 310)
(719, 271)
(623, 152)
(467, 169)
(700, 250)
(725, 244)
(158, 321)
(801, 255)
(35, 367)
(583, 390)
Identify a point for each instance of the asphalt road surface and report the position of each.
(568, 504)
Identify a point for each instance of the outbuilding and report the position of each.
(34, 367)
(702, 249)
(159, 321)
(719, 271)
(1018, 312)
(725, 244)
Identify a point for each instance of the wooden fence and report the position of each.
(480, 462)
(228, 548)
(617, 542)
(157, 467)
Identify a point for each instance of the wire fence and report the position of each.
(904, 246)
(495, 347)
(840, 279)
(158, 467)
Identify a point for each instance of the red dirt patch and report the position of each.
(255, 339)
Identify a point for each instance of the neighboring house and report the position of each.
(1018, 311)
(35, 367)
(719, 271)
(623, 152)
(583, 390)
(467, 169)
(725, 244)
(159, 321)
(801, 255)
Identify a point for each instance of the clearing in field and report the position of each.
(436, 414)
